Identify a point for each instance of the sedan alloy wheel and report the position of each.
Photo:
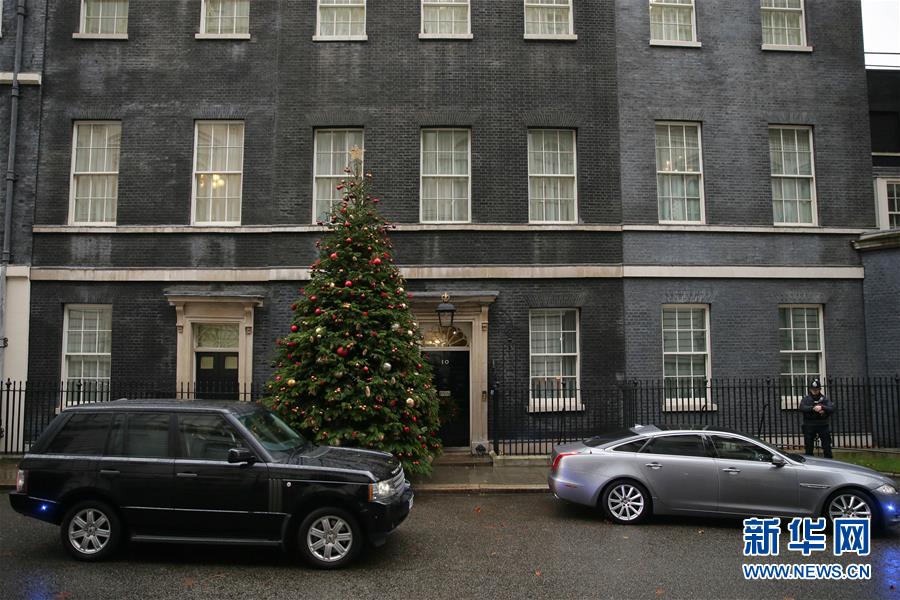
(849, 504)
(625, 502)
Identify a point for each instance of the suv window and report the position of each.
(679, 445)
(737, 449)
(207, 437)
(83, 434)
(140, 435)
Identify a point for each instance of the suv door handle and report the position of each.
(654, 465)
(731, 470)
(110, 472)
(185, 474)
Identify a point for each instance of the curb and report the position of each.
(481, 488)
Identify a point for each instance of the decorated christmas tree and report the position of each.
(350, 371)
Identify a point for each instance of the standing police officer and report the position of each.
(816, 409)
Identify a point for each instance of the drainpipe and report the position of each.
(10, 175)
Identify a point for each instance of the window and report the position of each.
(94, 189)
(207, 437)
(893, 204)
(218, 172)
(554, 359)
(673, 22)
(552, 182)
(634, 446)
(731, 448)
(223, 18)
(87, 347)
(104, 18)
(679, 173)
(802, 349)
(342, 20)
(83, 434)
(793, 175)
(446, 18)
(677, 445)
(147, 435)
(685, 332)
(549, 19)
(445, 185)
(783, 24)
(332, 155)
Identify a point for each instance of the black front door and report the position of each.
(451, 378)
(217, 375)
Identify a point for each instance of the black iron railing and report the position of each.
(526, 421)
(26, 408)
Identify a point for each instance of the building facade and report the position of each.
(606, 190)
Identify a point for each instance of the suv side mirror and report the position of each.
(240, 455)
(777, 461)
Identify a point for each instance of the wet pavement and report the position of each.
(453, 546)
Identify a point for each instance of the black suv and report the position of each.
(206, 472)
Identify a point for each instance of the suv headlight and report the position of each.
(381, 490)
(886, 489)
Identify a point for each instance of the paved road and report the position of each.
(502, 546)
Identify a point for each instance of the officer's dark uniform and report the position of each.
(815, 423)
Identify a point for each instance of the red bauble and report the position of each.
(341, 351)
(405, 429)
(318, 311)
(348, 283)
(365, 313)
(294, 328)
(333, 256)
(376, 261)
(312, 298)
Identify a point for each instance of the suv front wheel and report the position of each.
(91, 530)
(329, 538)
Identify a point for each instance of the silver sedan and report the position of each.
(645, 470)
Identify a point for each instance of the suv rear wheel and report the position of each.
(91, 530)
(329, 538)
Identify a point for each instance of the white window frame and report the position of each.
(341, 38)
(686, 404)
(692, 43)
(882, 208)
(814, 208)
(571, 36)
(804, 44)
(316, 176)
(568, 403)
(574, 174)
(203, 35)
(82, 34)
(439, 36)
(699, 127)
(422, 175)
(72, 174)
(70, 396)
(789, 401)
(194, 220)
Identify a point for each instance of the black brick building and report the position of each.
(645, 241)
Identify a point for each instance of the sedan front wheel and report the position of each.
(626, 502)
(849, 503)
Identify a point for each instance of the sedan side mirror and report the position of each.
(240, 455)
(777, 461)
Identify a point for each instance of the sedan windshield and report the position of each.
(269, 430)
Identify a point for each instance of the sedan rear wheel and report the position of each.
(849, 504)
(626, 502)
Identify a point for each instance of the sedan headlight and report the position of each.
(886, 489)
(381, 490)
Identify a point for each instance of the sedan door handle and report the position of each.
(654, 465)
(185, 474)
(110, 472)
(731, 470)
